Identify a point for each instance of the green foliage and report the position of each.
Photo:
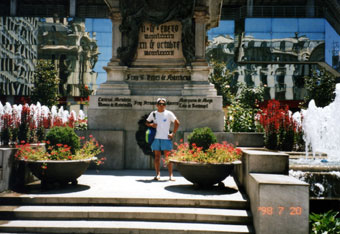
(64, 136)
(300, 144)
(242, 111)
(6, 136)
(286, 139)
(46, 84)
(84, 90)
(240, 119)
(320, 86)
(202, 137)
(222, 78)
(250, 97)
(81, 124)
(271, 140)
(24, 132)
(326, 223)
(40, 133)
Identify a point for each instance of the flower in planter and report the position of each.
(203, 148)
(203, 161)
(279, 126)
(60, 151)
(216, 153)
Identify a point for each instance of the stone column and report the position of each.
(201, 18)
(200, 69)
(116, 20)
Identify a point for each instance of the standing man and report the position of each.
(161, 121)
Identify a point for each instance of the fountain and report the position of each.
(321, 128)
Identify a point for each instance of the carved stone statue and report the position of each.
(135, 12)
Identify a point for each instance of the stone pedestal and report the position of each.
(115, 84)
(157, 52)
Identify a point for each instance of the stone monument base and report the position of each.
(122, 114)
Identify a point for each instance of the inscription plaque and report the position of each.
(160, 41)
(135, 102)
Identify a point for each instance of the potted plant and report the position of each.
(202, 161)
(62, 158)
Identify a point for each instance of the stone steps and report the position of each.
(85, 226)
(53, 214)
(240, 203)
(175, 214)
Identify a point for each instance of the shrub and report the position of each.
(6, 129)
(24, 129)
(243, 109)
(202, 137)
(320, 86)
(64, 136)
(224, 80)
(240, 119)
(250, 97)
(46, 84)
(324, 223)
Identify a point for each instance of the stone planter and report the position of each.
(62, 172)
(202, 174)
(244, 139)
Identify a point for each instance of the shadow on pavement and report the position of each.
(152, 181)
(55, 188)
(191, 189)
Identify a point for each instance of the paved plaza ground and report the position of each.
(135, 184)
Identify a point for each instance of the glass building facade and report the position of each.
(277, 52)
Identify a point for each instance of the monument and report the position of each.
(158, 50)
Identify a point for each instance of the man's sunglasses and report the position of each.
(161, 104)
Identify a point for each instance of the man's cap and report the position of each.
(161, 99)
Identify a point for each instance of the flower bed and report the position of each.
(62, 158)
(204, 162)
(29, 123)
(216, 153)
(282, 130)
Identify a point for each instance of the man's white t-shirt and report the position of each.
(163, 121)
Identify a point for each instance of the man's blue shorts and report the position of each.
(161, 144)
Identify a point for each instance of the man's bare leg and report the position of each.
(157, 163)
(171, 176)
